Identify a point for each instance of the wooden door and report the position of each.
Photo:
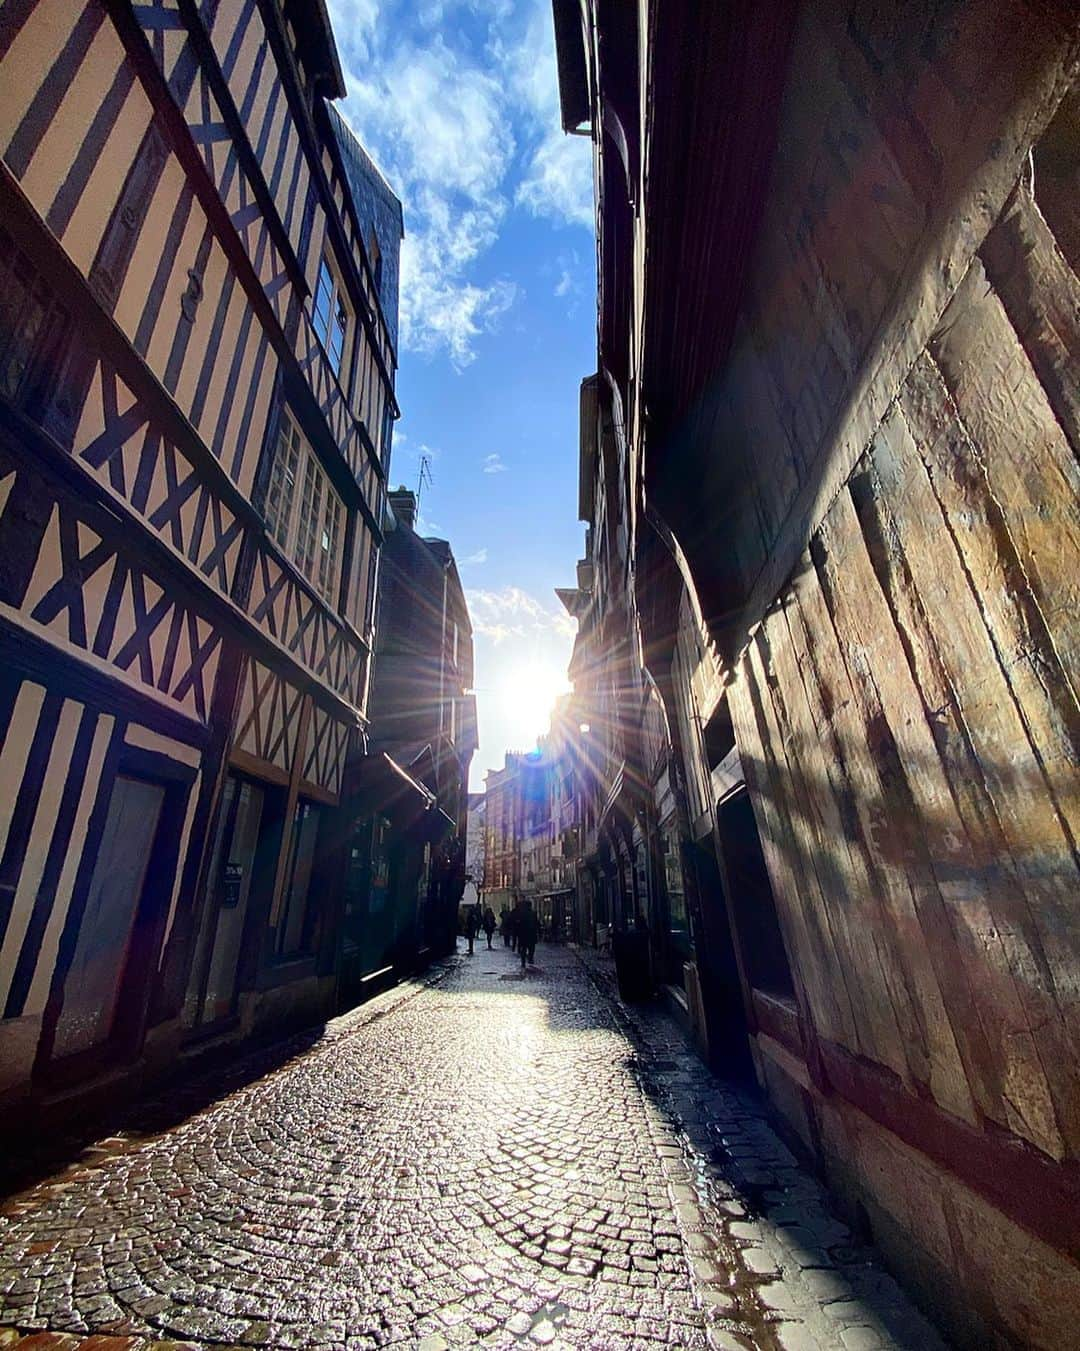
(96, 976)
(213, 983)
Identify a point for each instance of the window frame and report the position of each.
(300, 501)
(328, 281)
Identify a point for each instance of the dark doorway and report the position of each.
(761, 945)
(721, 988)
(98, 1016)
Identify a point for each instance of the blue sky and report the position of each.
(457, 102)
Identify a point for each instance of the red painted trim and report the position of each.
(1030, 1188)
(779, 1019)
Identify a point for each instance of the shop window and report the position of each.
(758, 928)
(295, 928)
(304, 514)
(333, 318)
(673, 880)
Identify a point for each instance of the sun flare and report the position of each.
(526, 694)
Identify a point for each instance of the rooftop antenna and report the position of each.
(423, 477)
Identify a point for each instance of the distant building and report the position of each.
(197, 354)
(474, 851)
(502, 833)
(407, 850)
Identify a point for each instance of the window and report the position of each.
(30, 321)
(372, 588)
(332, 317)
(304, 513)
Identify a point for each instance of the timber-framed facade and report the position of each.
(829, 465)
(196, 399)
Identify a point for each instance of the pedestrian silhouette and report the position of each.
(505, 925)
(472, 925)
(527, 932)
(489, 924)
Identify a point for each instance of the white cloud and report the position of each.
(480, 556)
(558, 183)
(564, 285)
(511, 612)
(493, 464)
(436, 121)
(354, 23)
(457, 100)
(557, 179)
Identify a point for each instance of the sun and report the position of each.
(526, 694)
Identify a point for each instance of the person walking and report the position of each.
(472, 925)
(489, 924)
(504, 925)
(527, 933)
(512, 924)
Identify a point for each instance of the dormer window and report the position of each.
(332, 316)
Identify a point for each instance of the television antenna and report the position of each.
(423, 477)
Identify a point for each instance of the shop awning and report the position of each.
(383, 786)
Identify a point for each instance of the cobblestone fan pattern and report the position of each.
(497, 1160)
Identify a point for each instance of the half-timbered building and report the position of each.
(407, 868)
(838, 421)
(198, 279)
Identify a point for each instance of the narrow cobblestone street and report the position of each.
(481, 1158)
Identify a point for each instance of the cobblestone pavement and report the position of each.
(489, 1159)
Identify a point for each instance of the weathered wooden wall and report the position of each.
(892, 488)
(907, 713)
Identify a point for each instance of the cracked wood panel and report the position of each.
(927, 650)
(791, 871)
(868, 970)
(913, 804)
(1019, 768)
(859, 1022)
(967, 708)
(898, 151)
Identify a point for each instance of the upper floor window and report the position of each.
(332, 316)
(304, 513)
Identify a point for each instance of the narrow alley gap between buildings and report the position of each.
(482, 1157)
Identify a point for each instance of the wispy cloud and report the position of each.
(493, 464)
(510, 612)
(556, 181)
(461, 113)
(559, 182)
(480, 556)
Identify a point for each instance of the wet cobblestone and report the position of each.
(487, 1160)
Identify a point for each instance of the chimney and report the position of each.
(403, 503)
